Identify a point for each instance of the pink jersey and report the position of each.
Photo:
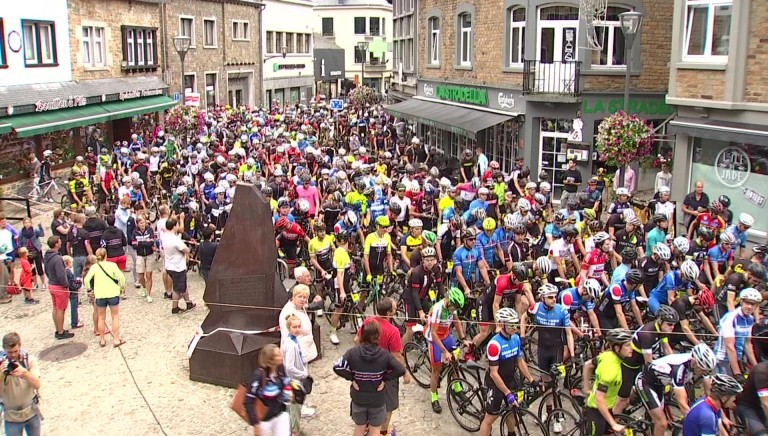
(310, 194)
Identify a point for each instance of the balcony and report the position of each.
(557, 81)
(376, 65)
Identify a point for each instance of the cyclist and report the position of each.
(505, 358)
(721, 258)
(607, 369)
(562, 249)
(739, 231)
(467, 261)
(79, 189)
(735, 328)
(424, 288)
(710, 219)
(610, 310)
(666, 291)
(593, 266)
(288, 240)
(349, 223)
(489, 243)
(518, 249)
(377, 250)
(752, 403)
(410, 242)
(441, 342)
(342, 280)
(510, 290)
(751, 276)
(673, 371)
(449, 238)
(704, 417)
(628, 261)
(582, 298)
(692, 307)
(320, 249)
(654, 265)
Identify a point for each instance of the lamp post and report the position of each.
(362, 46)
(181, 44)
(630, 25)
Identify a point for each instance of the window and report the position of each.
(140, 47)
(209, 33)
(373, 26)
(308, 43)
(39, 43)
(707, 30)
(516, 36)
(189, 83)
(93, 46)
(289, 43)
(328, 26)
(611, 38)
(433, 50)
(187, 28)
(279, 42)
(3, 60)
(270, 42)
(465, 40)
(210, 89)
(241, 30)
(359, 55)
(359, 25)
(383, 27)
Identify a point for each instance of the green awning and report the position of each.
(5, 128)
(44, 122)
(138, 106)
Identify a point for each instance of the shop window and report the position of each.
(464, 42)
(3, 59)
(289, 43)
(737, 170)
(270, 42)
(210, 89)
(433, 49)
(139, 48)
(327, 26)
(553, 137)
(209, 33)
(187, 28)
(39, 43)
(707, 30)
(279, 42)
(516, 35)
(359, 55)
(359, 25)
(505, 144)
(611, 38)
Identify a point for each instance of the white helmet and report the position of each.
(509, 220)
(545, 187)
(219, 190)
(664, 190)
(548, 289)
(483, 191)
(231, 178)
(362, 150)
(415, 188)
(751, 294)
(746, 219)
(303, 205)
(682, 244)
(250, 161)
(600, 237)
(622, 191)
(523, 204)
(415, 223)
(47, 153)
(135, 176)
(208, 177)
(530, 185)
(689, 270)
(342, 152)
(351, 217)
(507, 315)
(544, 265)
(445, 183)
(727, 238)
(592, 287)
(278, 172)
(661, 250)
(181, 190)
(415, 140)
(221, 160)
(704, 357)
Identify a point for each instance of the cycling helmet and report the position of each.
(303, 205)
(468, 233)
(181, 190)
(367, 192)
(266, 191)
(395, 208)
(706, 234)
(595, 225)
(756, 270)
(706, 300)
(208, 177)
(618, 336)
(746, 219)
(589, 214)
(667, 314)
(318, 225)
(572, 204)
(415, 223)
(415, 188)
(529, 185)
(430, 237)
(548, 289)
(570, 231)
(600, 237)
(193, 206)
(475, 183)
(724, 200)
(283, 202)
(456, 297)
(682, 244)
(519, 229)
(342, 237)
(459, 205)
(716, 206)
(220, 190)
(704, 357)
(523, 205)
(622, 191)
(760, 250)
(337, 197)
(489, 224)
(724, 385)
(525, 172)
(629, 253)
(661, 250)
(540, 199)
(457, 222)
(479, 214)
(507, 315)
(545, 187)
(664, 190)
(519, 271)
(544, 265)
(509, 220)
(689, 270)
(634, 277)
(282, 223)
(660, 217)
(434, 172)
(592, 288)
(751, 294)
(428, 252)
(410, 169)
(483, 191)
(350, 218)
(561, 217)
(727, 238)
(383, 221)
(400, 187)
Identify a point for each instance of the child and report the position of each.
(295, 367)
(27, 278)
(73, 283)
(89, 262)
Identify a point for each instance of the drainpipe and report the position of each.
(260, 62)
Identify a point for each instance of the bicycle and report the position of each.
(37, 192)
(525, 421)
(417, 360)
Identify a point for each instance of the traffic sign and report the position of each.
(337, 104)
(176, 97)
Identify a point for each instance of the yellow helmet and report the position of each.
(489, 224)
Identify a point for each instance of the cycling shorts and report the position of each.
(496, 400)
(628, 376)
(290, 251)
(549, 356)
(436, 354)
(751, 419)
(651, 396)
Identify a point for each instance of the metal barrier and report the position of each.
(20, 200)
(557, 77)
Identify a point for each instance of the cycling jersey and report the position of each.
(342, 262)
(551, 323)
(714, 223)
(79, 186)
(553, 231)
(733, 324)
(341, 226)
(702, 420)
(439, 321)
(291, 234)
(615, 294)
(572, 301)
(420, 282)
(410, 243)
(650, 268)
(357, 202)
(321, 248)
(561, 249)
(377, 248)
(503, 352)
(330, 215)
(594, 264)
(720, 257)
(467, 259)
(607, 379)
(755, 390)
(487, 245)
(644, 341)
(673, 370)
(447, 240)
(378, 207)
(506, 288)
(135, 196)
(741, 237)
(672, 281)
(698, 252)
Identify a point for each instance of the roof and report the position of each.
(352, 3)
(323, 43)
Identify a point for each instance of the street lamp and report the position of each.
(283, 53)
(181, 44)
(630, 25)
(362, 46)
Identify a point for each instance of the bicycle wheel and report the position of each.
(417, 363)
(466, 403)
(282, 270)
(561, 422)
(399, 319)
(153, 213)
(65, 202)
(566, 402)
(527, 423)
(531, 350)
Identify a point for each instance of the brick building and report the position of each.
(224, 61)
(511, 75)
(719, 85)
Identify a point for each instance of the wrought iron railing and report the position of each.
(559, 78)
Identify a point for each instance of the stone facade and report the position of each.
(701, 84)
(756, 90)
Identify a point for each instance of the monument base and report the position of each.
(228, 359)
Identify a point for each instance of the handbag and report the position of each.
(238, 405)
(12, 289)
(307, 384)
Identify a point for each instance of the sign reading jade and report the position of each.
(732, 166)
(462, 94)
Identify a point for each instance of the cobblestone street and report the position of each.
(93, 392)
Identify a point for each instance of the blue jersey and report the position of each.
(672, 281)
(208, 191)
(733, 324)
(572, 301)
(741, 237)
(506, 239)
(378, 208)
(702, 420)
(478, 204)
(467, 259)
(501, 348)
(343, 227)
(447, 214)
(487, 245)
(551, 323)
(135, 196)
(619, 273)
(552, 230)
(720, 257)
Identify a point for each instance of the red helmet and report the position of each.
(282, 223)
(716, 206)
(706, 300)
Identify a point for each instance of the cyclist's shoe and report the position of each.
(334, 338)
(461, 396)
(557, 426)
(436, 407)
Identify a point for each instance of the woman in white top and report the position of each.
(297, 305)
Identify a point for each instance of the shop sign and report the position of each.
(278, 67)
(754, 197)
(458, 94)
(639, 107)
(732, 166)
(127, 95)
(60, 103)
(506, 100)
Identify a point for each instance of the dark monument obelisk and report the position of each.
(244, 273)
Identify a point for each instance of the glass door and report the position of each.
(553, 137)
(556, 42)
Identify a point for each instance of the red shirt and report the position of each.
(26, 280)
(390, 335)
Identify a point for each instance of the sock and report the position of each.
(434, 396)
(511, 433)
(456, 387)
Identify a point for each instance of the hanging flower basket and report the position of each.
(623, 138)
(362, 96)
(185, 121)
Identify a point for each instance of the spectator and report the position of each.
(79, 245)
(165, 212)
(304, 277)
(390, 341)
(29, 239)
(571, 179)
(297, 305)
(295, 368)
(19, 383)
(175, 252)
(107, 282)
(482, 160)
(207, 252)
(8, 235)
(115, 241)
(73, 285)
(271, 385)
(61, 228)
(694, 203)
(27, 278)
(57, 285)
(126, 222)
(89, 262)
(630, 181)
(368, 367)
(143, 240)
(663, 177)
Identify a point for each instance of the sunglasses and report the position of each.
(470, 239)
(669, 324)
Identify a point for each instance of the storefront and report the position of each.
(457, 117)
(290, 82)
(73, 116)
(730, 157)
(330, 69)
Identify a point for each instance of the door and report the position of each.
(556, 44)
(553, 137)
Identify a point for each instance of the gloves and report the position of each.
(511, 398)
(522, 341)
(368, 278)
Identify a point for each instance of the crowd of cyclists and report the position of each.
(482, 258)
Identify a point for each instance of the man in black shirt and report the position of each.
(95, 226)
(207, 252)
(694, 203)
(571, 180)
(79, 245)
